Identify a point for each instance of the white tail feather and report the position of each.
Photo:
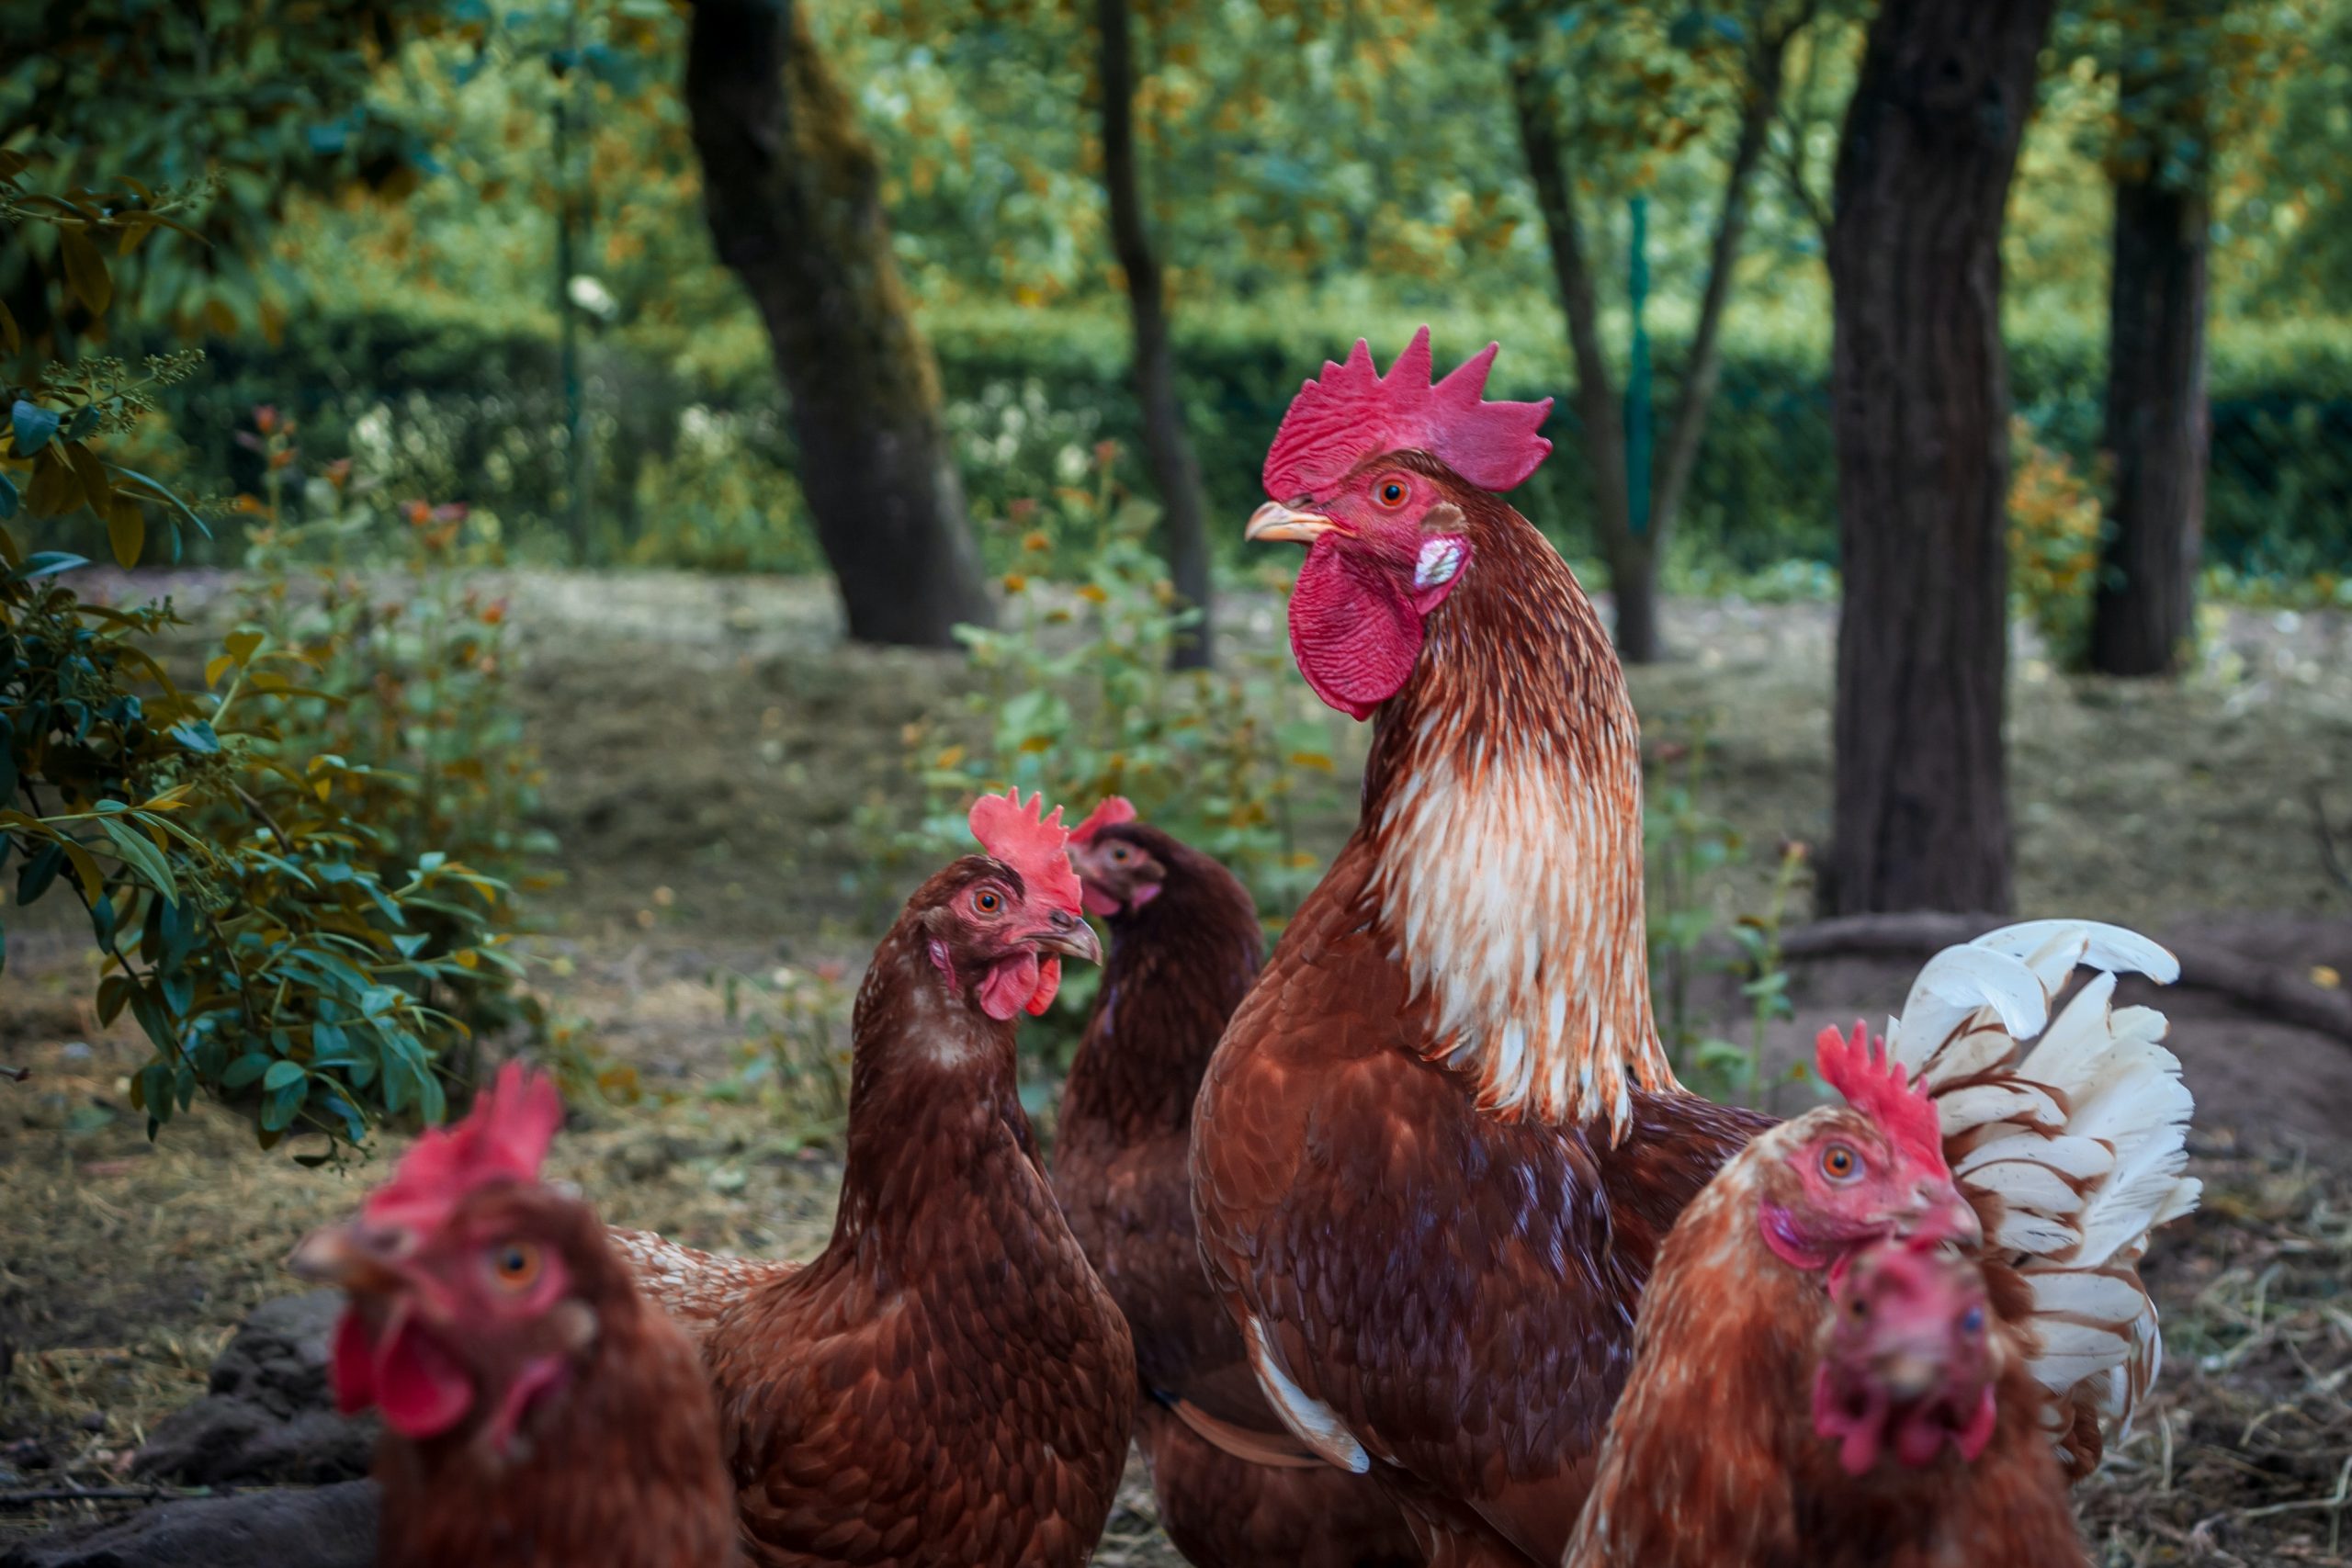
(2073, 1150)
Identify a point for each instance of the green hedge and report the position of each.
(471, 409)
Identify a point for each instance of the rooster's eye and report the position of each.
(1840, 1163)
(986, 903)
(516, 1264)
(1392, 494)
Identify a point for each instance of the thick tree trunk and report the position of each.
(1174, 473)
(793, 195)
(2142, 616)
(1919, 389)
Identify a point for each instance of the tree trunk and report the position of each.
(1173, 471)
(2142, 615)
(1596, 398)
(1632, 554)
(793, 196)
(1919, 390)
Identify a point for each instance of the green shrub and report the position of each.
(463, 404)
(285, 922)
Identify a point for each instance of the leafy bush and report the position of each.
(2053, 544)
(277, 942)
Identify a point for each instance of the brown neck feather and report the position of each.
(1503, 803)
(933, 1093)
(1177, 968)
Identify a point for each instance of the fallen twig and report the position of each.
(93, 1494)
(2270, 989)
(15, 1075)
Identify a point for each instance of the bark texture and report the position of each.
(1174, 472)
(2158, 429)
(1919, 389)
(793, 196)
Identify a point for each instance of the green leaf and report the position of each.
(249, 1066)
(34, 425)
(9, 498)
(86, 270)
(280, 1073)
(139, 852)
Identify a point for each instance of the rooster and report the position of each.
(1236, 1490)
(537, 1411)
(1867, 1398)
(947, 1383)
(1440, 1144)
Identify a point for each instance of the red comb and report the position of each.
(504, 1137)
(1351, 411)
(1860, 1069)
(1115, 810)
(1028, 841)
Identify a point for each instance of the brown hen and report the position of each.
(538, 1412)
(947, 1385)
(1235, 1489)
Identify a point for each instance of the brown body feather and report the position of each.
(1177, 966)
(621, 1467)
(1440, 1240)
(947, 1385)
(1711, 1460)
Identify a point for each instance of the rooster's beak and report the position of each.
(1067, 933)
(1275, 521)
(338, 1255)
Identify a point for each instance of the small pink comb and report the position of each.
(1879, 1087)
(504, 1137)
(1114, 810)
(1351, 411)
(1031, 842)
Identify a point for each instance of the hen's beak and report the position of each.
(1067, 933)
(342, 1256)
(1275, 521)
(1937, 1213)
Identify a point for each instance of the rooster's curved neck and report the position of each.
(1503, 804)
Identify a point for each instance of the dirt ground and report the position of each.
(709, 742)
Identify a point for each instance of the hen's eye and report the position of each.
(1392, 494)
(1119, 853)
(516, 1264)
(986, 903)
(1840, 1163)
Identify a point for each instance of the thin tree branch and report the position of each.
(1705, 364)
(1603, 420)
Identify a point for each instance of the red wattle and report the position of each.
(1009, 985)
(1096, 901)
(1354, 638)
(352, 1368)
(422, 1390)
(1049, 980)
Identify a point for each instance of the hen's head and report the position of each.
(1908, 1360)
(1840, 1177)
(996, 925)
(1383, 479)
(474, 1290)
(1122, 865)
